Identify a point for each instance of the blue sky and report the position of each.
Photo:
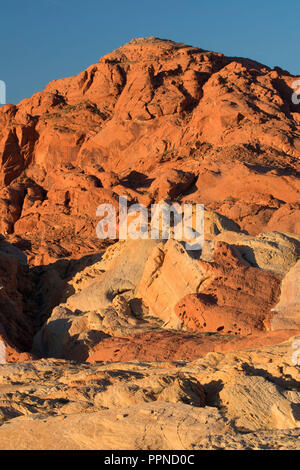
(42, 40)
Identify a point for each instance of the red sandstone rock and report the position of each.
(287, 217)
(164, 111)
(238, 299)
(9, 353)
(153, 119)
(167, 345)
(170, 184)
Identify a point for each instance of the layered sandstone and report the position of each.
(144, 344)
(247, 399)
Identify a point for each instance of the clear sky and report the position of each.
(42, 40)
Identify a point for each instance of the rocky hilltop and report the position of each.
(142, 338)
(134, 124)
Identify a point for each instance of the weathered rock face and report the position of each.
(28, 296)
(152, 119)
(100, 307)
(123, 275)
(246, 399)
(287, 311)
(170, 184)
(14, 322)
(236, 299)
(128, 305)
(271, 251)
(162, 345)
(9, 352)
(161, 286)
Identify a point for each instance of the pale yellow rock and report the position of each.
(273, 251)
(169, 274)
(254, 403)
(206, 404)
(287, 311)
(165, 427)
(215, 223)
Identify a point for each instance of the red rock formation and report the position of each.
(238, 299)
(153, 119)
(11, 353)
(151, 109)
(167, 345)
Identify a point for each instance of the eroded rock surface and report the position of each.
(142, 344)
(152, 119)
(287, 311)
(246, 399)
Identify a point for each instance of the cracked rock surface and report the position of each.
(246, 399)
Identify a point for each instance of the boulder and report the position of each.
(169, 274)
